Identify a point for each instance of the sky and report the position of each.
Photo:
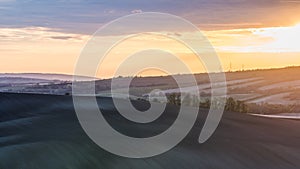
(47, 36)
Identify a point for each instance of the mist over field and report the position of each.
(270, 91)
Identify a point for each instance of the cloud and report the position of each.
(31, 34)
(136, 11)
(111, 11)
(86, 16)
(61, 37)
(174, 34)
(290, 1)
(259, 40)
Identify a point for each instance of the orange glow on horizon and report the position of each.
(43, 50)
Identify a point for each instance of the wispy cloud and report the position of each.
(28, 34)
(39, 49)
(256, 40)
(136, 11)
(290, 1)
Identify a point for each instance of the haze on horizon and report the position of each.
(48, 36)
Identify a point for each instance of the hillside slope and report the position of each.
(42, 131)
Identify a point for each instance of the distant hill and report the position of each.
(45, 76)
(280, 86)
(21, 80)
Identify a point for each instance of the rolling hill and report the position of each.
(42, 131)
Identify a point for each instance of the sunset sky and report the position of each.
(47, 36)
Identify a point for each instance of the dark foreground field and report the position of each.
(42, 132)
